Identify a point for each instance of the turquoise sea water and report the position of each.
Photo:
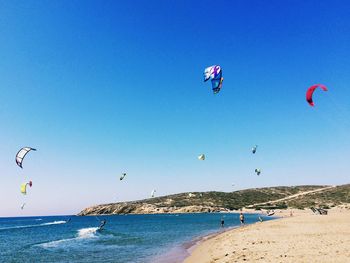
(125, 238)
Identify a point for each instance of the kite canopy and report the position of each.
(257, 171)
(215, 74)
(21, 154)
(270, 213)
(122, 177)
(311, 90)
(254, 149)
(153, 192)
(24, 187)
(201, 157)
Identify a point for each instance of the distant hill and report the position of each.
(328, 198)
(281, 197)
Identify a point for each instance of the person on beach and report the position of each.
(103, 222)
(241, 218)
(222, 222)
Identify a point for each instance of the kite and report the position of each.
(270, 213)
(254, 149)
(24, 187)
(21, 154)
(201, 157)
(215, 74)
(311, 90)
(122, 177)
(152, 193)
(257, 171)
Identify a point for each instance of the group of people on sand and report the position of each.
(241, 219)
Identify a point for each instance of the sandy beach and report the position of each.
(304, 237)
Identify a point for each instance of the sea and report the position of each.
(125, 238)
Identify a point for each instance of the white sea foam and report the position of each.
(55, 243)
(16, 227)
(82, 234)
(38, 225)
(53, 223)
(87, 232)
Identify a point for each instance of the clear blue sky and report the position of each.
(103, 87)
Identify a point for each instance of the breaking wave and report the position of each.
(82, 234)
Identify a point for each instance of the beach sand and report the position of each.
(304, 237)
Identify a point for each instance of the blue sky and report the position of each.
(100, 88)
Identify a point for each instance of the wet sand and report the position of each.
(304, 237)
(179, 253)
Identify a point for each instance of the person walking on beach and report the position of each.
(241, 218)
(222, 222)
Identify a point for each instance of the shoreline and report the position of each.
(191, 245)
(201, 239)
(180, 252)
(303, 237)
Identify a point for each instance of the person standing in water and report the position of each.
(222, 222)
(241, 218)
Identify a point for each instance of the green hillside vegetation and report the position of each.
(233, 200)
(281, 197)
(325, 199)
